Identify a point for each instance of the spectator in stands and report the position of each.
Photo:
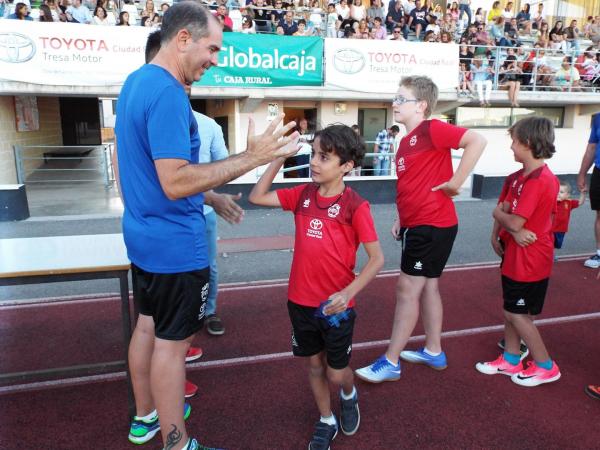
(223, 13)
(379, 31)
(433, 26)
(511, 31)
(316, 18)
(496, 11)
(539, 16)
(262, 14)
(465, 8)
(396, 17)
(343, 11)
(80, 12)
(100, 16)
(58, 14)
(45, 14)
(524, 19)
(109, 9)
(332, 21)
(123, 19)
(595, 31)
(479, 16)
(590, 66)
(21, 12)
(279, 30)
(557, 37)
(482, 79)
(446, 38)
(358, 11)
(384, 148)
(130, 7)
(465, 55)
(497, 33)
(437, 11)
(470, 34)
(510, 76)
(247, 25)
(448, 25)
(567, 77)
(587, 27)
(289, 24)
(277, 13)
(572, 36)
(508, 13)
(482, 37)
(362, 27)
(377, 10)
(430, 36)
(397, 34)
(542, 35)
(418, 19)
(302, 29)
(465, 80)
(149, 11)
(454, 12)
(540, 67)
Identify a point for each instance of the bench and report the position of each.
(13, 202)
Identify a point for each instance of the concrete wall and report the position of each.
(50, 133)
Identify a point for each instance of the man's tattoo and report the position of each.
(173, 438)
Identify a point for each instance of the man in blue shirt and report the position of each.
(592, 157)
(163, 222)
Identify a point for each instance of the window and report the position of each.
(504, 117)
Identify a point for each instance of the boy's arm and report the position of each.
(494, 240)
(261, 193)
(513, 223)
(339, 300)
(473, 144)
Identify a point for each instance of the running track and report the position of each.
(254, 395)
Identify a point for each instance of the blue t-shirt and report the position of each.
(595, 138)
(155, 121)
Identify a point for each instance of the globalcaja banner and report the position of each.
(69, 54)
(377, 66)
(264, 61)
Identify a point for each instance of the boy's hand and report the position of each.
(396, 229)
(447, 188)
(338, 303)
(524, 237)
(497, 246)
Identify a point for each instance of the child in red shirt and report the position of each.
(331, 221)
(564, 206)
(522, 236)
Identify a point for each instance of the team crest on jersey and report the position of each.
(401, 167)
(306, 203)
(333, 211)
(314, 230)
(413, 141)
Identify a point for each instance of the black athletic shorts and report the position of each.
(311, 335)
(595, 189)
(176, 301)
(523, 297)
(426, 249)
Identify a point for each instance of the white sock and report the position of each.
(598, 252)
(150, 416)
(348, 397)
(430, 353)
(329, 420)
(393, 364)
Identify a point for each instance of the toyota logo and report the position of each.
(316, 224)
(348, 61)
(16, 48)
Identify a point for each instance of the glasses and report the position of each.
(400, 100)
(396, 31)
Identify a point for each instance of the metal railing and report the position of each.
(64, 164)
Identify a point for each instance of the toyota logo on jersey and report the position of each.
(315, 229)
(316, 224)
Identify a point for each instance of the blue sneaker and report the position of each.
(323, 436)
(380, 371)
(141, 431)
(438, 362)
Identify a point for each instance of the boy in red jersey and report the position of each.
(564, 206)
(523, 225)
(426, 223)
(331, 221)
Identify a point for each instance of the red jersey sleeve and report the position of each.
(505, 189)
(574, 204)
(362, 223)
(289, 197)
(528, 201)
(445, 135)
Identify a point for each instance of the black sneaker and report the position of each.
(322, 436)
(214, 325)
(350, 415)
(523, 349)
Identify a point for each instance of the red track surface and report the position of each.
(267, 404)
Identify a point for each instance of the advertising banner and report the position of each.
(69, 54)
(248, 60)
(377, 66)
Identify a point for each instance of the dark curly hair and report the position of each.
(343, 142)
(537, 133)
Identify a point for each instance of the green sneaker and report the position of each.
(142, 430)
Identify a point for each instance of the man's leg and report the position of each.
(432, 312)
(140, 356)
(213, 284)
(597, 229)
(408, 293)
(167, 377)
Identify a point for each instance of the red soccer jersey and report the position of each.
(532, 197)
(563, 214)
(328, 233)
(424, 161)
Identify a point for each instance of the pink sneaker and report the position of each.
(499, 366)
(193, 354)
(535, 375)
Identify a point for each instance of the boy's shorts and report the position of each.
(523, 297)
(426, 249)
(176, 301)
(595, 189)
(311, 335)
(559, 237)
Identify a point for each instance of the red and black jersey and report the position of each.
(532, 197)
(424, 161)
(328, 233)
(563, 214)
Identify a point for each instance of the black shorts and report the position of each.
(176, 301)
(595, 189)
(311, 335)
(426, 249)
(523, 297)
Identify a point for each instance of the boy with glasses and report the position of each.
(426, 223)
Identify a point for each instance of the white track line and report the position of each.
(230, 287)
(278, 356)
